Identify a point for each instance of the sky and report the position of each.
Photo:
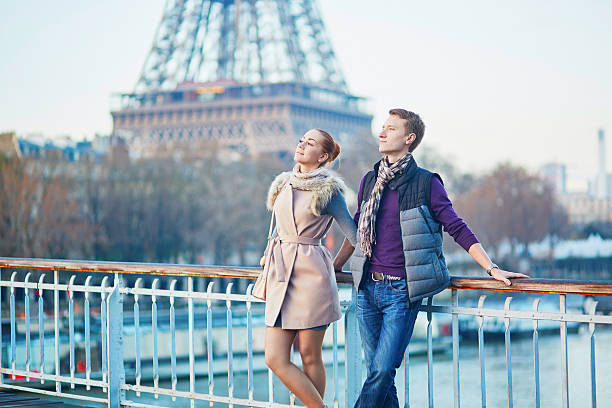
(521, 81)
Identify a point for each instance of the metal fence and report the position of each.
(112, 327)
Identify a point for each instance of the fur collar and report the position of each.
(321, 196)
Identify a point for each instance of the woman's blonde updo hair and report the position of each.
(329, 146)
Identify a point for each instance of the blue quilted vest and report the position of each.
(426, 271)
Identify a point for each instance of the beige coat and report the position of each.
(301, 282)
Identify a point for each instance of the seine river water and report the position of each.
(495, 365)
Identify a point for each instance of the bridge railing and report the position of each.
(115, 329)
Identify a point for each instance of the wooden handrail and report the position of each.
(558, 286)
(131, 268)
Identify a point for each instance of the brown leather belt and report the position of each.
(381, 277)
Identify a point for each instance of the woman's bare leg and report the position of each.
(277, 350)
(311, 343)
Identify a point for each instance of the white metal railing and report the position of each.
(141, 327)
(43, 373)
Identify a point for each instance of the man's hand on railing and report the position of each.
(262, 261)
(480, 255)
(505, 276)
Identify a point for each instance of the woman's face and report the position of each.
(309, 150)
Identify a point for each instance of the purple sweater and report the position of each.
(387, 254)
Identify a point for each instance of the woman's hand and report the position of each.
(262, 261)
(505, 276)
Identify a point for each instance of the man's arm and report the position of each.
(443, 211)
(480, 255)
(343, 255)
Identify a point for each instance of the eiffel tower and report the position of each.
(249, 75)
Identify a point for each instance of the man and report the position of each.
(398, 258)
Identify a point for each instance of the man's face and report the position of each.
(393, 139)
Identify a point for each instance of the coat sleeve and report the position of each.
(339, 211)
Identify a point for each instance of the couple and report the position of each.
(395, 239)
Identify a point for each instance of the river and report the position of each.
(496, 385)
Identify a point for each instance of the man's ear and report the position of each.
(411, 138)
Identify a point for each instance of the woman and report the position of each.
(301, 293)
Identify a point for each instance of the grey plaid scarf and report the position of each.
(386, 172)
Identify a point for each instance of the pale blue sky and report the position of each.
(526, 81)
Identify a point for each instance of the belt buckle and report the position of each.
(378, 280)
(384, 278)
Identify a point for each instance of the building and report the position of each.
(556, 175)
(601, 185)
(9, 147)
(256, 119)
(583, 209)
(596, 204)
(37, 146)
(250, 80)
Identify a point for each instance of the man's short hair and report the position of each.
(413, 124)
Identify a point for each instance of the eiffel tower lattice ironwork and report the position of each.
(250, 75)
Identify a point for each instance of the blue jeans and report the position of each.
(386, 322)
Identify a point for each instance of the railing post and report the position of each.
(564, 357)
(353, 360)
(116, 373)
(592, 358)
(430, 384)
(1, 345)
(455, 332)
(481, 351)
(58, 384)
(508, 351)
(536, 355)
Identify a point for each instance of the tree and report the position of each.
(39, 216)
(510, 204)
